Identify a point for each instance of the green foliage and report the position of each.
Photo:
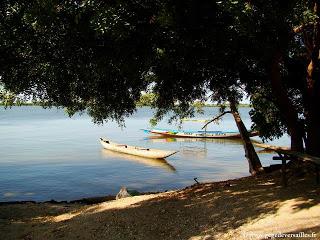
(147, 99)
(8, 99)
(198, 105)
(266, 117)
(100, 55)
(57, 53)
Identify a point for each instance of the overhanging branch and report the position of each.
(216, 118)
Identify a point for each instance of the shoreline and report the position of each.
(107, 198)
(214, 210)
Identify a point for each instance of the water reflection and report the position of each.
(162, 163)
(163, 139)
(199, 151)
(265, 151)
(64, 162)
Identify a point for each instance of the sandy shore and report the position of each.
(235, 209)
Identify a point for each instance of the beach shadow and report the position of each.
(204, 211)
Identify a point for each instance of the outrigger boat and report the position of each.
(137, 151)
(197, 134)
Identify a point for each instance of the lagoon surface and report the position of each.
(46, 155)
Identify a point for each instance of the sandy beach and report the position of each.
(245, 208)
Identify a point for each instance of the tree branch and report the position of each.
(302, 27)
(216, 118)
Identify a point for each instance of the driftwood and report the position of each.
(270, 147)
(286, 150)
(123, 193)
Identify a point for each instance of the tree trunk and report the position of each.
(255, 166)
(313, 136)
(312, 88)
(311, 98)
(288, 111)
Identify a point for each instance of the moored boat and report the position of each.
(197, 134)
(136, 151)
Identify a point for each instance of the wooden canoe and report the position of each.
(198, 134)
(136, 151)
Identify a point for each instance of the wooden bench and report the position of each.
(284, 159)
(287, 155)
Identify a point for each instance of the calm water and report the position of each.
(46, 155)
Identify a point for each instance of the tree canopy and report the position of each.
(100, 56)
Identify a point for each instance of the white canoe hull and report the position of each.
(136, 151)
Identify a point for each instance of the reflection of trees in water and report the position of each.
(162, 163)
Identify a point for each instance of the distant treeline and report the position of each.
(21, 104)
(227, 105)
(146, 100)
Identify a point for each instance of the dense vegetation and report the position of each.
(100, 56)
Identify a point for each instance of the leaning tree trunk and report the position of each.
(255, 166)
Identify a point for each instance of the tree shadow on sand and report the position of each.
(204, 211)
